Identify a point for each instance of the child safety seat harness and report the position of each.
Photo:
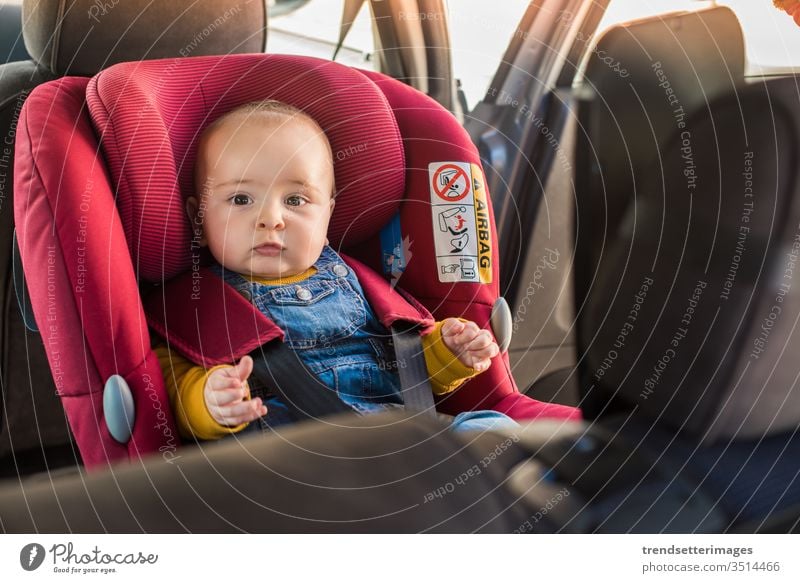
(102, 169)
(193, 332)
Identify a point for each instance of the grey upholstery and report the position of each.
(708, 258)
(308, 477)
(687, 214)
(642, 80)
(80, 37)
(630, 104)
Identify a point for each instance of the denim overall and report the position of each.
(328, 323)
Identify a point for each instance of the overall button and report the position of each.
(303, 294)
(246, 294)
(340, 270)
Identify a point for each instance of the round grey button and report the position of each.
(247, 295)
(303, 294)
(340, 270)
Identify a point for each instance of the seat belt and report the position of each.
(414, 381)
(280, 369)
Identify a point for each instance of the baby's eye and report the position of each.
(241, 199)
(295, 200)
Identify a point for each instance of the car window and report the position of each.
(480, 32)
(12, 47)
(313, 30)
(772, 38)
(479, 35)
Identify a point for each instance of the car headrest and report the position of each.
(149, 115)
(81, 37)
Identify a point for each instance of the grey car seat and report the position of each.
(687, 219)
(81, 37)
(693, 318)
(667, 67)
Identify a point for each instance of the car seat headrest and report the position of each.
(81, 37)
(149, 115)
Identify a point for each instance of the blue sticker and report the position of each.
(394, 259)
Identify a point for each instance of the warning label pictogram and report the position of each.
(461, 229)
(451, 183)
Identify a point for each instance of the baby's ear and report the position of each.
(196, 220)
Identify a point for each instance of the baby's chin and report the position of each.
(281, 267)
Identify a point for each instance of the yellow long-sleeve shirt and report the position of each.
(185, 380)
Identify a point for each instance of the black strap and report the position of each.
(280, 369)
(414, 380)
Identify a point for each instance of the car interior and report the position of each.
(644, 198)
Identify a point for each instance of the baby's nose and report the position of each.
(270, 218)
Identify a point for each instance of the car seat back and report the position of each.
(80, 37)
(692, 317)
(641, 81)
(116, 218)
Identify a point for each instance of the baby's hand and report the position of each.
(473, 346)
(225, 395)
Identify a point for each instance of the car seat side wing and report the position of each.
(75, 259)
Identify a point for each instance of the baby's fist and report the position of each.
(473, 346)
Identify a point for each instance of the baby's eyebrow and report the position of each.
(305, 186)
(234, 182)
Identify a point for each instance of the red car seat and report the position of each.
(79, 37)
(102, 169)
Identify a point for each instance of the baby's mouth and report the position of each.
(269, 249)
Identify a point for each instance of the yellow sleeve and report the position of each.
(446, 371)
(185, 382)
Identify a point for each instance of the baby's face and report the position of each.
(266, 195)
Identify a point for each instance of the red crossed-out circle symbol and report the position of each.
(450, 182)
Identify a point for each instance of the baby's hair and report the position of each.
(271, 109)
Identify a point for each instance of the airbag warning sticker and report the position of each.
(461, 231)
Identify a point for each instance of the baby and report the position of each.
(266, 193)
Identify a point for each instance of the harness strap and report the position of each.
(416, 388)
(280, 369)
